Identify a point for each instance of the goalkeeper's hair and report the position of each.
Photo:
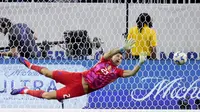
(5, 23)
(144, 18)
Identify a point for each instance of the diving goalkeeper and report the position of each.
(81, 83)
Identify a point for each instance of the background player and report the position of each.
(21, 39)
(80, 83)
(144, 36)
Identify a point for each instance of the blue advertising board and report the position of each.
(160, 84)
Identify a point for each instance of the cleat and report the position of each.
(18, 91)
(24, 61)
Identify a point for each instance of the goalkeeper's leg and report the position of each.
(75, 85)
(34, 93)
(42, 70)
(72, 90)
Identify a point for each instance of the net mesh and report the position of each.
(72, 36)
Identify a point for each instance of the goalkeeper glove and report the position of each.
(128, 45)
(143, 57)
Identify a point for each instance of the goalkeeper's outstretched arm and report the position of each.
(128, 45)
(128, 73)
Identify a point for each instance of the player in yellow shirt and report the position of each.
(144, 36)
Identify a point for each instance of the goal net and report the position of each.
(72, 36)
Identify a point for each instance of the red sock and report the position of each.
(33, 67)
(37, 68)
(35, 93)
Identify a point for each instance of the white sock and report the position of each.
(25, 91)
(30, 66)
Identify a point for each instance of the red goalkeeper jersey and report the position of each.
(103, 73)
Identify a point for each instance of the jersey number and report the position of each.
(105, 71)
(65, 96)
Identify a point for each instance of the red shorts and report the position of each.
(73, 84)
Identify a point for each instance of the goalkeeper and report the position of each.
(81, 83)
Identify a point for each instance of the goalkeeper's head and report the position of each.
(144, 19)
(5, 25)
(117, 59)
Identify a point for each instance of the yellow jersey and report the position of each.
(143, 40)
